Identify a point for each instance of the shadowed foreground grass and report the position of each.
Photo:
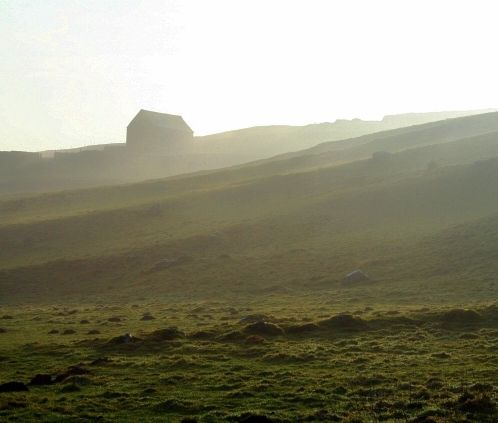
(307, 362)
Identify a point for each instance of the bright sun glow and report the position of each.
(76, 73)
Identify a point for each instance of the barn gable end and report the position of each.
(152, 132)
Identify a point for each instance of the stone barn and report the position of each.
(153, 132)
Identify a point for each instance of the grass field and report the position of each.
(246, 314)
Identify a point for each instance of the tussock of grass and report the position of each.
(263, 328)
(460, 315)
(167, 334)
(344, 322)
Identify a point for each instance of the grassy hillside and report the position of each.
(104, 165)
(390, 203)
(231, 284)
(266, 141)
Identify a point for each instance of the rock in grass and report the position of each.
(123, 339)
(41, 379)
(69, 332)
(2, 330)
(53, 332)
(84, 322)
(93, 332)
(13, 387)
(147, 317)
(7, 317)
(114, 319)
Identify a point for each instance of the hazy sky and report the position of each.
(76, 72)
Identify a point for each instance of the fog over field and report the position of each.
(76, 73)
(267, 212)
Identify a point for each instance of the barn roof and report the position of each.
(163, 120)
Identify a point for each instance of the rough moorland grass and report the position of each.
(378, 365)
(253, 319)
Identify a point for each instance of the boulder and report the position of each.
(123, 339)
(355, 276)
(126, 338)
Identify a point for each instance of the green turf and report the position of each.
(264, 325)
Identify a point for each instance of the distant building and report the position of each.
(152, 132)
